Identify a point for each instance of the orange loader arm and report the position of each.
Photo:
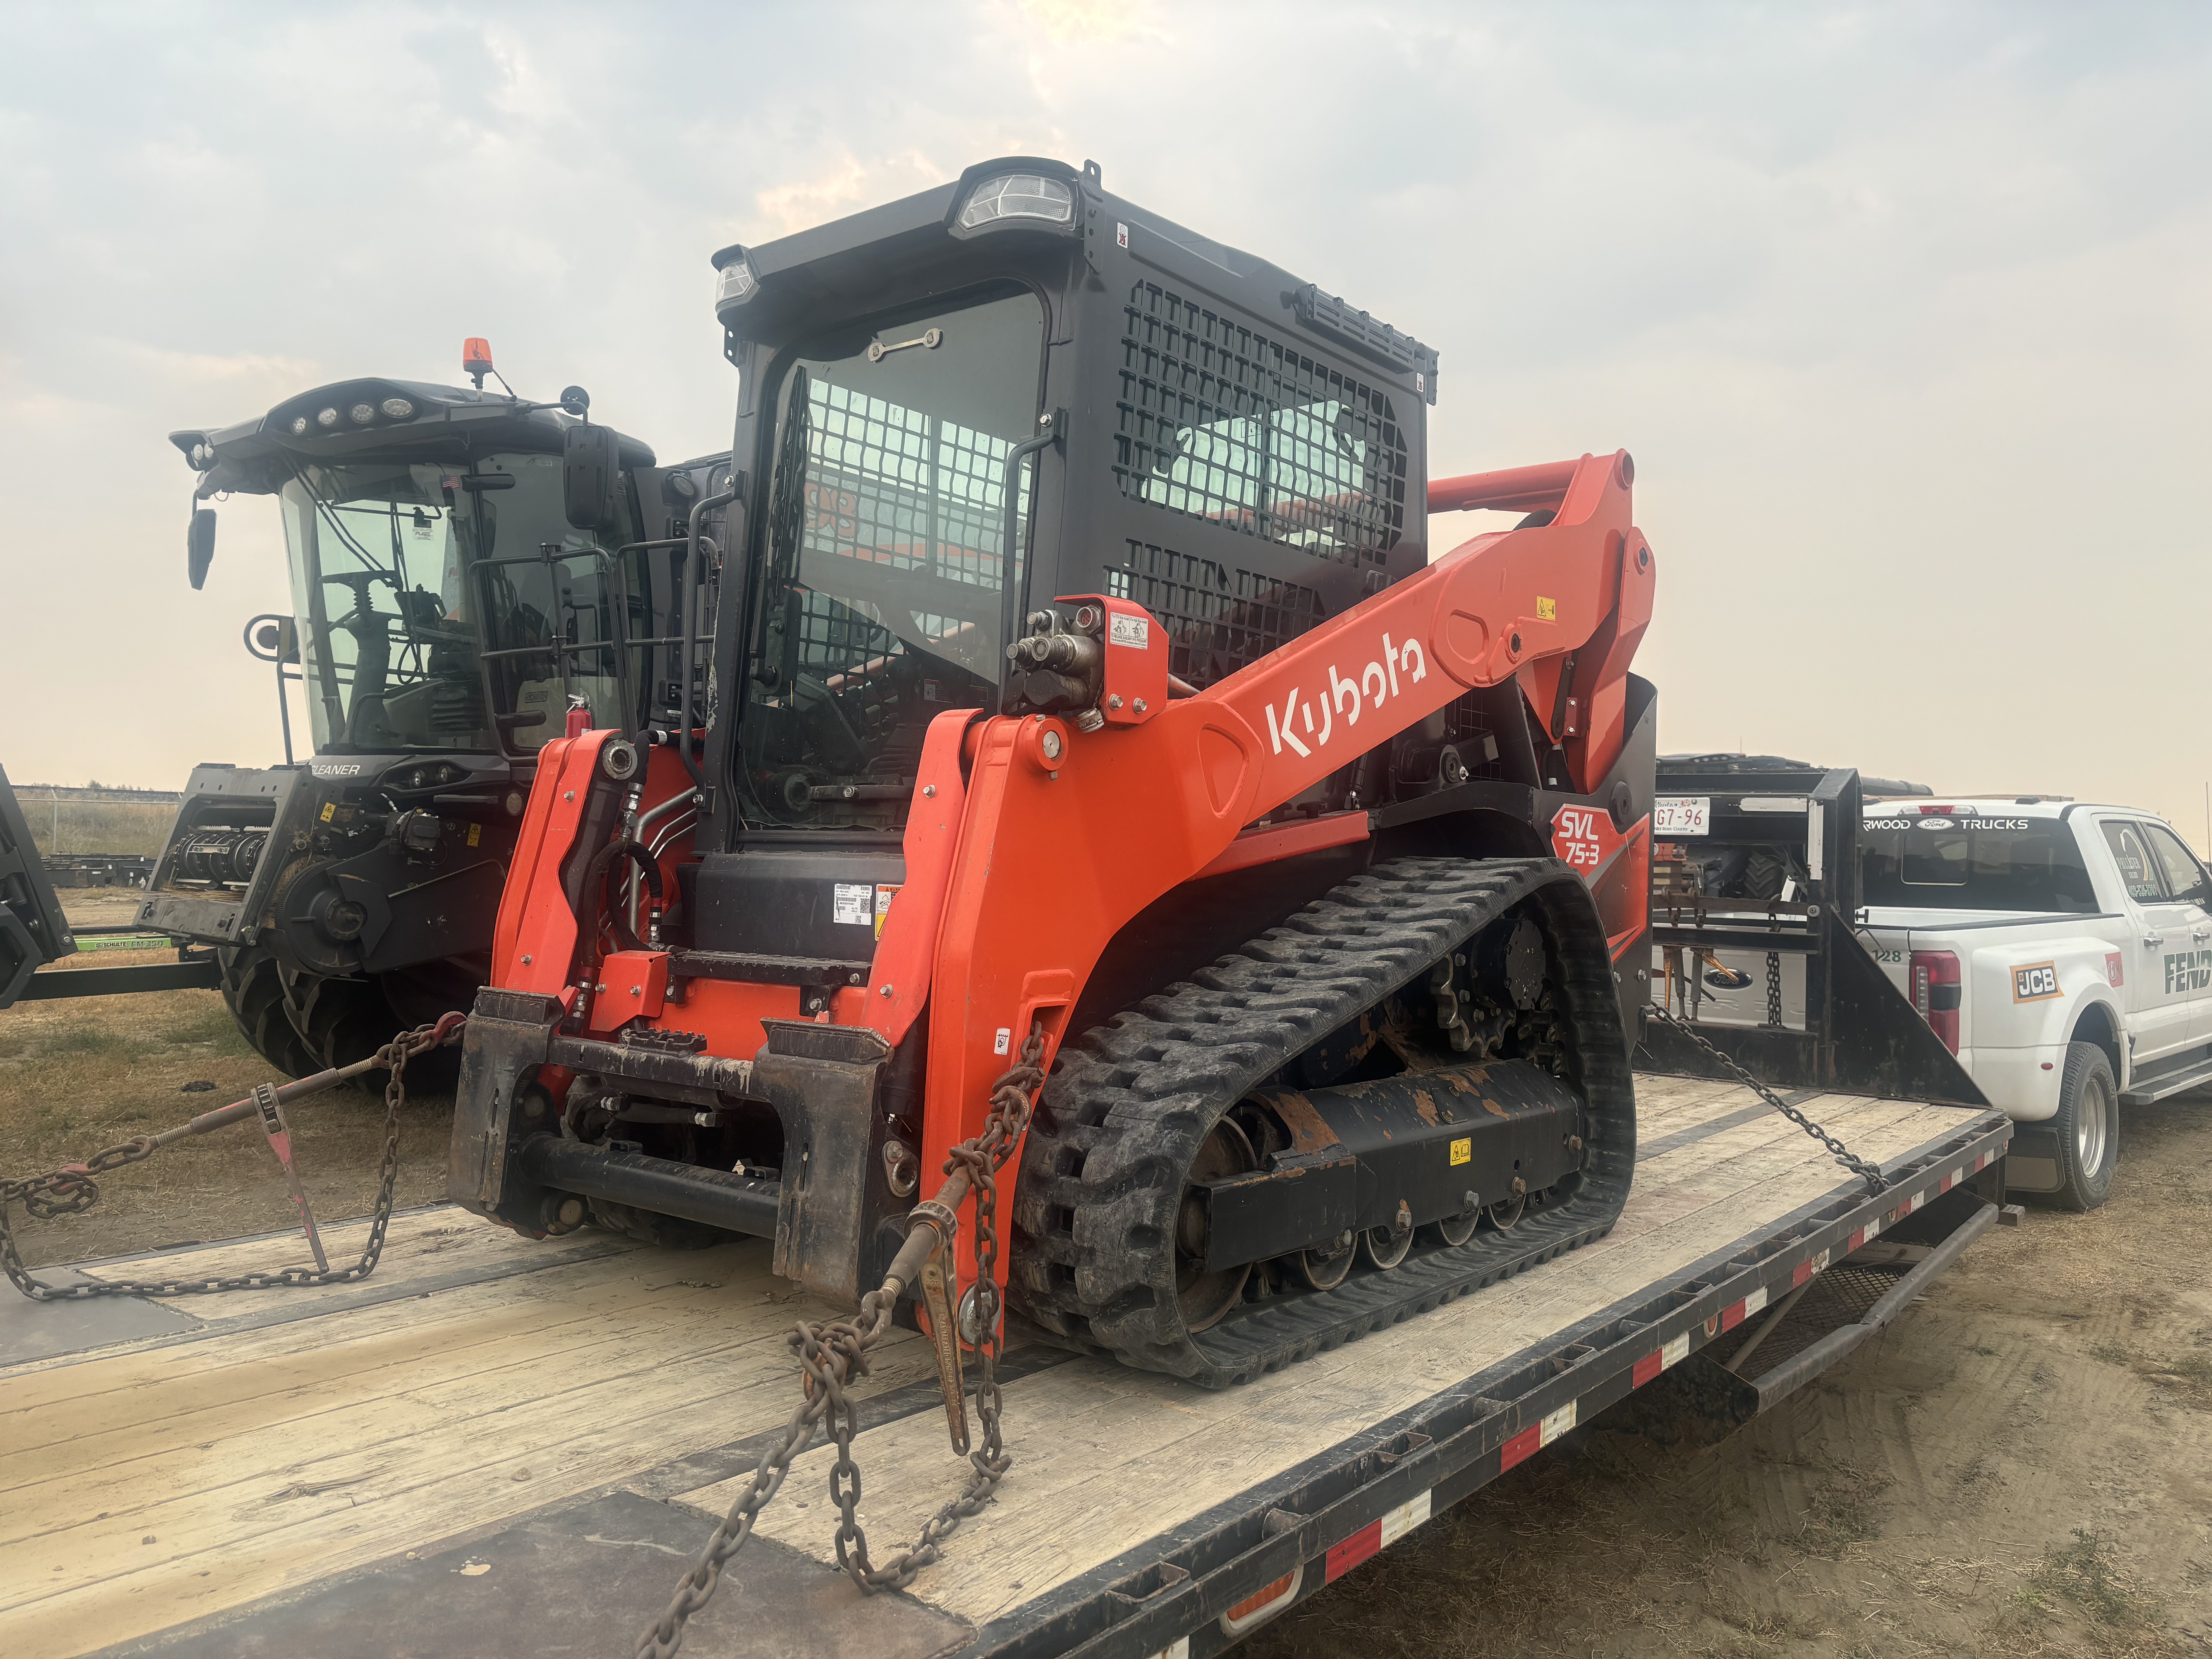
(1046, 860)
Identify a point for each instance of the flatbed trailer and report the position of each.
(496, 1447)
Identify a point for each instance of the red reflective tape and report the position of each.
(1858, 1238)
(1732, 1315)
(1352, 1550)
(1799, 1273)
(1522, 1447)
(1646, 1368)
(1945, 1185)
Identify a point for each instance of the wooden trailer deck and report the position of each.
(498, 1447)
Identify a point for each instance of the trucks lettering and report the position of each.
(2189, 970)
(1377, 684)
(2037, 983)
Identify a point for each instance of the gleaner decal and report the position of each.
(2190, 970)
(1377, 684)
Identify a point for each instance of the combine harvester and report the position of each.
(1093, 723)
(467, 567)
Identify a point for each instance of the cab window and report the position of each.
(2185, 877)
(2138, 870)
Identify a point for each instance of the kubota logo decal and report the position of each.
(1377, 684)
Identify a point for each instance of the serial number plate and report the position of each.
(1682, 815)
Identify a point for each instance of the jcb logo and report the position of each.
(2035, 982)
(2190, 970)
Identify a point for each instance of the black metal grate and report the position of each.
(901, 487)
(1220, 422)
(1838, 1297)
(1219, 619)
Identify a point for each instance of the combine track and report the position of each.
(1129, 1103)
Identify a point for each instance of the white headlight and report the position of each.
(298, 424)
(328, 417)
(735, 282)
(363, 413)
(398, 408)
(1018, 196)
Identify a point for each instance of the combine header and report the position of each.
(1090, 691)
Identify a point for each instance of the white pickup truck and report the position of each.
(2062, 950)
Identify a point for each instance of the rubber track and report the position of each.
(1128, 1104)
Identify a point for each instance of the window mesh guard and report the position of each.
(1221, 423)
(1218, 619)
(897, 533)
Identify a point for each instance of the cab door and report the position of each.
(2160, 956)
(2190, 891)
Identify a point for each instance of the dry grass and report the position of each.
(79, 1075)
(95, 826)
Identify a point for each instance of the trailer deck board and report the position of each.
(291, 1449)
(1105, 1453)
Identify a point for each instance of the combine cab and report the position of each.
(1091, 688)
(466, 570)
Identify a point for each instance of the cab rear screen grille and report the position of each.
(1219, 619)
(1218, 422)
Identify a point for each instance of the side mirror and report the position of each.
(590, 476)
(199, 546)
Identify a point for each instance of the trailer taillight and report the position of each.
(1935, 993)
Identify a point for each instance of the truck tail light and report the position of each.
(1935, 993)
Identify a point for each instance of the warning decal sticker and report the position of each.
(1129, 630)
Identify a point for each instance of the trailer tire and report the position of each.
(2087, 1128)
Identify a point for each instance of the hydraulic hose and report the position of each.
(595, 887)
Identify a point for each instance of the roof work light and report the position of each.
(1018, 196)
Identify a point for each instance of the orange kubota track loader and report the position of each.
(1078, 664)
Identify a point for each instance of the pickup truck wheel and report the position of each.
(2087, 1128)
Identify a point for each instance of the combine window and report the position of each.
(1956, 864)
(389, 571)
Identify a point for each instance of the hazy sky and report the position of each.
(1905, 311)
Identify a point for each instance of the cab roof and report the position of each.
(440, 422)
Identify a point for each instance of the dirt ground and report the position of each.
(2021, 1465)
(79, 1075)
